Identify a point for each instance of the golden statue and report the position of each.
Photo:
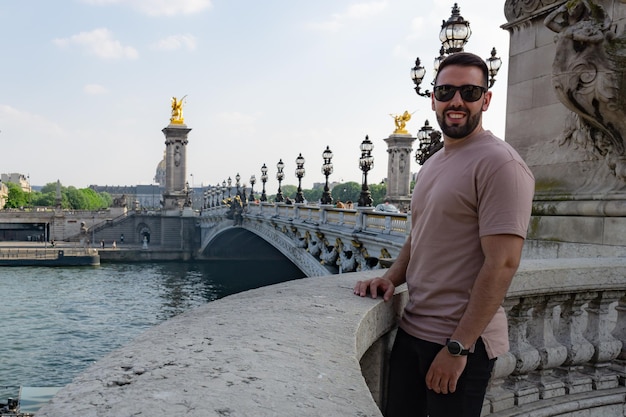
(177, 111)
(400, 121)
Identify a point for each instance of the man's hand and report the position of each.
(374, 287)
(445, 371)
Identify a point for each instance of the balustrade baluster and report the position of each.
(619, 365)
(551, 352)
(606, 347)
(527, 356)
(571, 325)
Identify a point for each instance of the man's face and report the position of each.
(459, 118)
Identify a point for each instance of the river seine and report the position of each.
(54, 322)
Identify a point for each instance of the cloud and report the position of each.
(95, 89)
(99, 42)
(358, 11)
(16, 119)
(159, 7)
(176, 42)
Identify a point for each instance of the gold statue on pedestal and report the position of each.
(177, 111)
(400, 121)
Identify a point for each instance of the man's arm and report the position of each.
(395, 275)
(502, 257)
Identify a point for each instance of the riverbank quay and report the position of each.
(26, 251)
(310, 347)
(46, 255)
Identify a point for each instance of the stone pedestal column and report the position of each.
(399, 169)
(175, 193)
(566, 115)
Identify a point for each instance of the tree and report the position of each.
(378, 193)
(16, 198)
(349, 191)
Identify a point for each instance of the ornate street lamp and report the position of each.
(252, 182)
(263, 180)
(327, 169)
(280, 175)
(454, 34)
(237, 178)
(366, 163)
(230, 182)
(223, 190)
(429, 143)
(299, 173)
(493, 63)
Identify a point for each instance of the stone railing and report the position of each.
(362, 220)
(312, 348)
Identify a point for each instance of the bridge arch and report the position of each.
(224, 236)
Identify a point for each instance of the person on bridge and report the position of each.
(470, 211)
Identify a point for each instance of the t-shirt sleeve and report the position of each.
(505, 200)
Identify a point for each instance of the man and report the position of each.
(470, 211)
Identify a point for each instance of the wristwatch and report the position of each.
(456, 348)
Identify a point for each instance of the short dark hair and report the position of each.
(465, 59)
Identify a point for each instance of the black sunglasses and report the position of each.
(469, 93)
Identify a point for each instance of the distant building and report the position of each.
(4, 194)
(19, 179)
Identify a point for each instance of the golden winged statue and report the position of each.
(177, 111)
(400, 121)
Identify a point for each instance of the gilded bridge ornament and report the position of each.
(588, 75)
(400, 121)
(177, 111)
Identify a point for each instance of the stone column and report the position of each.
(175, 165)
(566, 115)
(399, 169)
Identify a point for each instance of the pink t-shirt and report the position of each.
(465, 191)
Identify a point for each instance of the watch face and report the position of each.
(454, 347)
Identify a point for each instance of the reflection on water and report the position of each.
(56, 321)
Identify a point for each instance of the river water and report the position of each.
(55, 322)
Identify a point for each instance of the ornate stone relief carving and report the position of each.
(519, 9)
(588, 75)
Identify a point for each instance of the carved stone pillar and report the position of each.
(175, 194)
(566, 115)
(399, 169)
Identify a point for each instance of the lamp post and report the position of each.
(327, 169)
(429, 143)
(454, 34)
(263, 180)
(230, 182)
(280, 175)
(252, 182)
(237, 178)
(366, 163)
(223, 191)
(299, 173)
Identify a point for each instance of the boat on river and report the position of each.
(28, 256)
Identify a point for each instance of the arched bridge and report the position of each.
(317, 239)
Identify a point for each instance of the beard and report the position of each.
(459, 131)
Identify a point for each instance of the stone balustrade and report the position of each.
(361, 219)
(311, 348)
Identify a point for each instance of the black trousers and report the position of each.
(407, 394)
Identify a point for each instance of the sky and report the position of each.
(87, 84)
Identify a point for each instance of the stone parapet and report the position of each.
(312, 348)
